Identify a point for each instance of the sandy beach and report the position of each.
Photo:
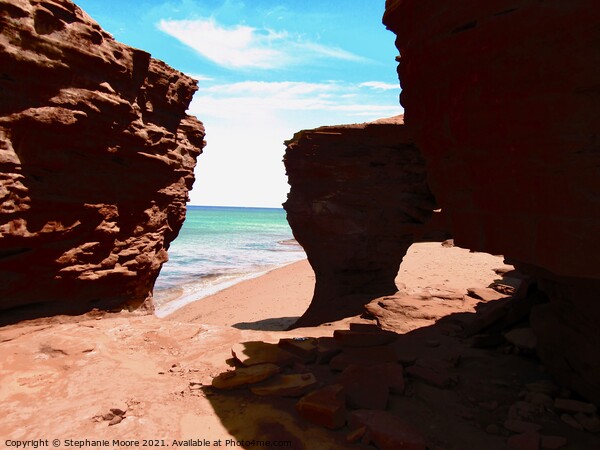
(173, 171)
(269, 302)
(65, 376)
(275, 300)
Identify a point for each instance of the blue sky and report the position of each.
(266, 69)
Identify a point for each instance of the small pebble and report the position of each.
(119, 411)
(115, 420)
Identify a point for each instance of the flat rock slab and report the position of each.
(485, 294)
(325, 407)
(553, 442)
(503, 270)
(364, 326)
(303, 348)
(293, 385)
(363, 356)
(369, 387)
(489, 316)
(525, 441)
(327, 348)
(589, 422)
(430, 376)
(387, 431)
(570, 420)
(245, 375)
(504, 289)
(404, 313)
(574, 406)
(543, 386)
(520, 426)
(439, 292)
(258, 352)
(355, 338)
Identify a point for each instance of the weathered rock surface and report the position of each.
(293, 385)
(258, 352)
(502, 98)
(358, 199)
(387, 431)
(325, 407)
(96, 160)
(369, 387)
(243, 376)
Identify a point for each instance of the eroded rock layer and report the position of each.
(358, 199)
(96, 160)
(502, 97)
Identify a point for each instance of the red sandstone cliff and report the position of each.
(358, 199)
(503, 99)
(96, 159)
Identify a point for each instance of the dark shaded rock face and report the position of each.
(96, 159)
(503, 99)
(358, 200)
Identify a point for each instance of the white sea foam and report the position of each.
(219, 247)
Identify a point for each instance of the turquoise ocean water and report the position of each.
(220, 246)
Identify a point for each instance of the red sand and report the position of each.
(59, 375)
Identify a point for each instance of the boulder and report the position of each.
(97, 156)
(510, 136)
(325, 406)
(358, 199)
(369, 387)
(387, 431)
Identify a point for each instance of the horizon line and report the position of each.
(237, 206)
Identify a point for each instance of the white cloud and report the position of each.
(380, 85)
(250, 97)
(247, 122)
(200, 77)
(270, 88)
(243, 47)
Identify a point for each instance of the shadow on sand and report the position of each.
(480, 389)
(272, 324)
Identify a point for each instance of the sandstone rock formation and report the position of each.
(358, 200)
(502, 98)
(96, 159)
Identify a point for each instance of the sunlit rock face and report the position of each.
(503, 99)
(358, 199)
(96, 160)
